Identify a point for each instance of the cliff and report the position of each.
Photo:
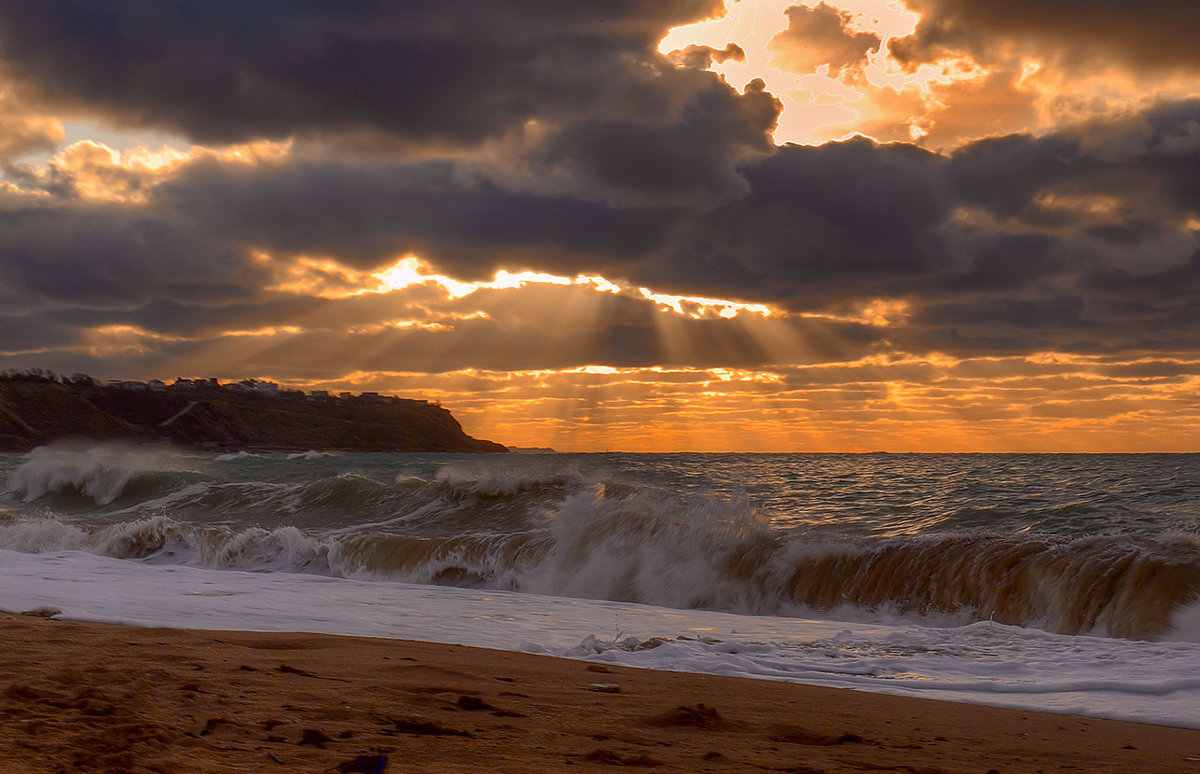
(212, 416)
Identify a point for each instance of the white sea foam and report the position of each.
(232, 456)
(100, 473)
(1157, 682)
(1185, 624)
(639, 547)
(134, 535)
(311, 454)
(498, 479)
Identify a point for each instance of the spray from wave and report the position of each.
(101, 474)
(565, 533)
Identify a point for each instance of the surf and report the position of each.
(571, 530)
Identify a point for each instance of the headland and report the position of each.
(40, 408)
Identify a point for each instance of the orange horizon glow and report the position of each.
(1066, 404)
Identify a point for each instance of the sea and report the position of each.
(1060, 582)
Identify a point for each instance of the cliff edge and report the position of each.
(204, 414)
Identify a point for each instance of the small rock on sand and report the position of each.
(604, 688)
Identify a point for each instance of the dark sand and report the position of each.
(93, 697)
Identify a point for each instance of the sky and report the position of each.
(639, 225)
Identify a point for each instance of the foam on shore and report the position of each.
(984, 663)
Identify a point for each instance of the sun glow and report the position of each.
(106, 340)
(121, 340)
(98, 172)
(941, 103)
(442, 325)
(818, 106)
(326, 278)
(1043, 402)
(698, 308)
(410, 271)
(878, 312)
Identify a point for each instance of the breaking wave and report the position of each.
(565, 533)
(67, 473)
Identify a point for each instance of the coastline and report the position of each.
(37, 410)
(88, 696)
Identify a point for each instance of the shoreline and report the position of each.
(112, 697)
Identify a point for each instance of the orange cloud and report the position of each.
(23, 129)
(821, 37)
(856, 66)
(94, 171)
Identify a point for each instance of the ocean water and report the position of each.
(1060, 582)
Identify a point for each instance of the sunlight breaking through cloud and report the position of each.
(937, 223)
(327, 278)
(698, 308)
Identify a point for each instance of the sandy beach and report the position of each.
(97, 697)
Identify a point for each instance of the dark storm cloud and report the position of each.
(455, 70)
(1153, 35)
(1072, 322)
(1004, 174)
(840, 219)
(815, 221)
(368, 214)
(1076, 240)
(1095, 254)
(1006, 262)
(1152, 311)
(1172, 150)
(115, 256)
(642, 168)
(1150, 164)
(693, 158)
(1177, 283)
(34, 331)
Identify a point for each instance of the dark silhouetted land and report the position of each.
(39, 408)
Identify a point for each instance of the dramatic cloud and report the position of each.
(797, 238)
(965, 110)
(454, 71)
(821, 36)
(526, 210)
(365, 214)
(23, 130)
(1160, 34)
(693, 158)
(1021, 234)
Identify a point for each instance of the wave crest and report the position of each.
(101, 474)
(560, 532)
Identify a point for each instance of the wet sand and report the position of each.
(96, 697)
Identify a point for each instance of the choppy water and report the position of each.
(1101, 544)
(1083, 570)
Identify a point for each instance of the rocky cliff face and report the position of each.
(214, 417)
